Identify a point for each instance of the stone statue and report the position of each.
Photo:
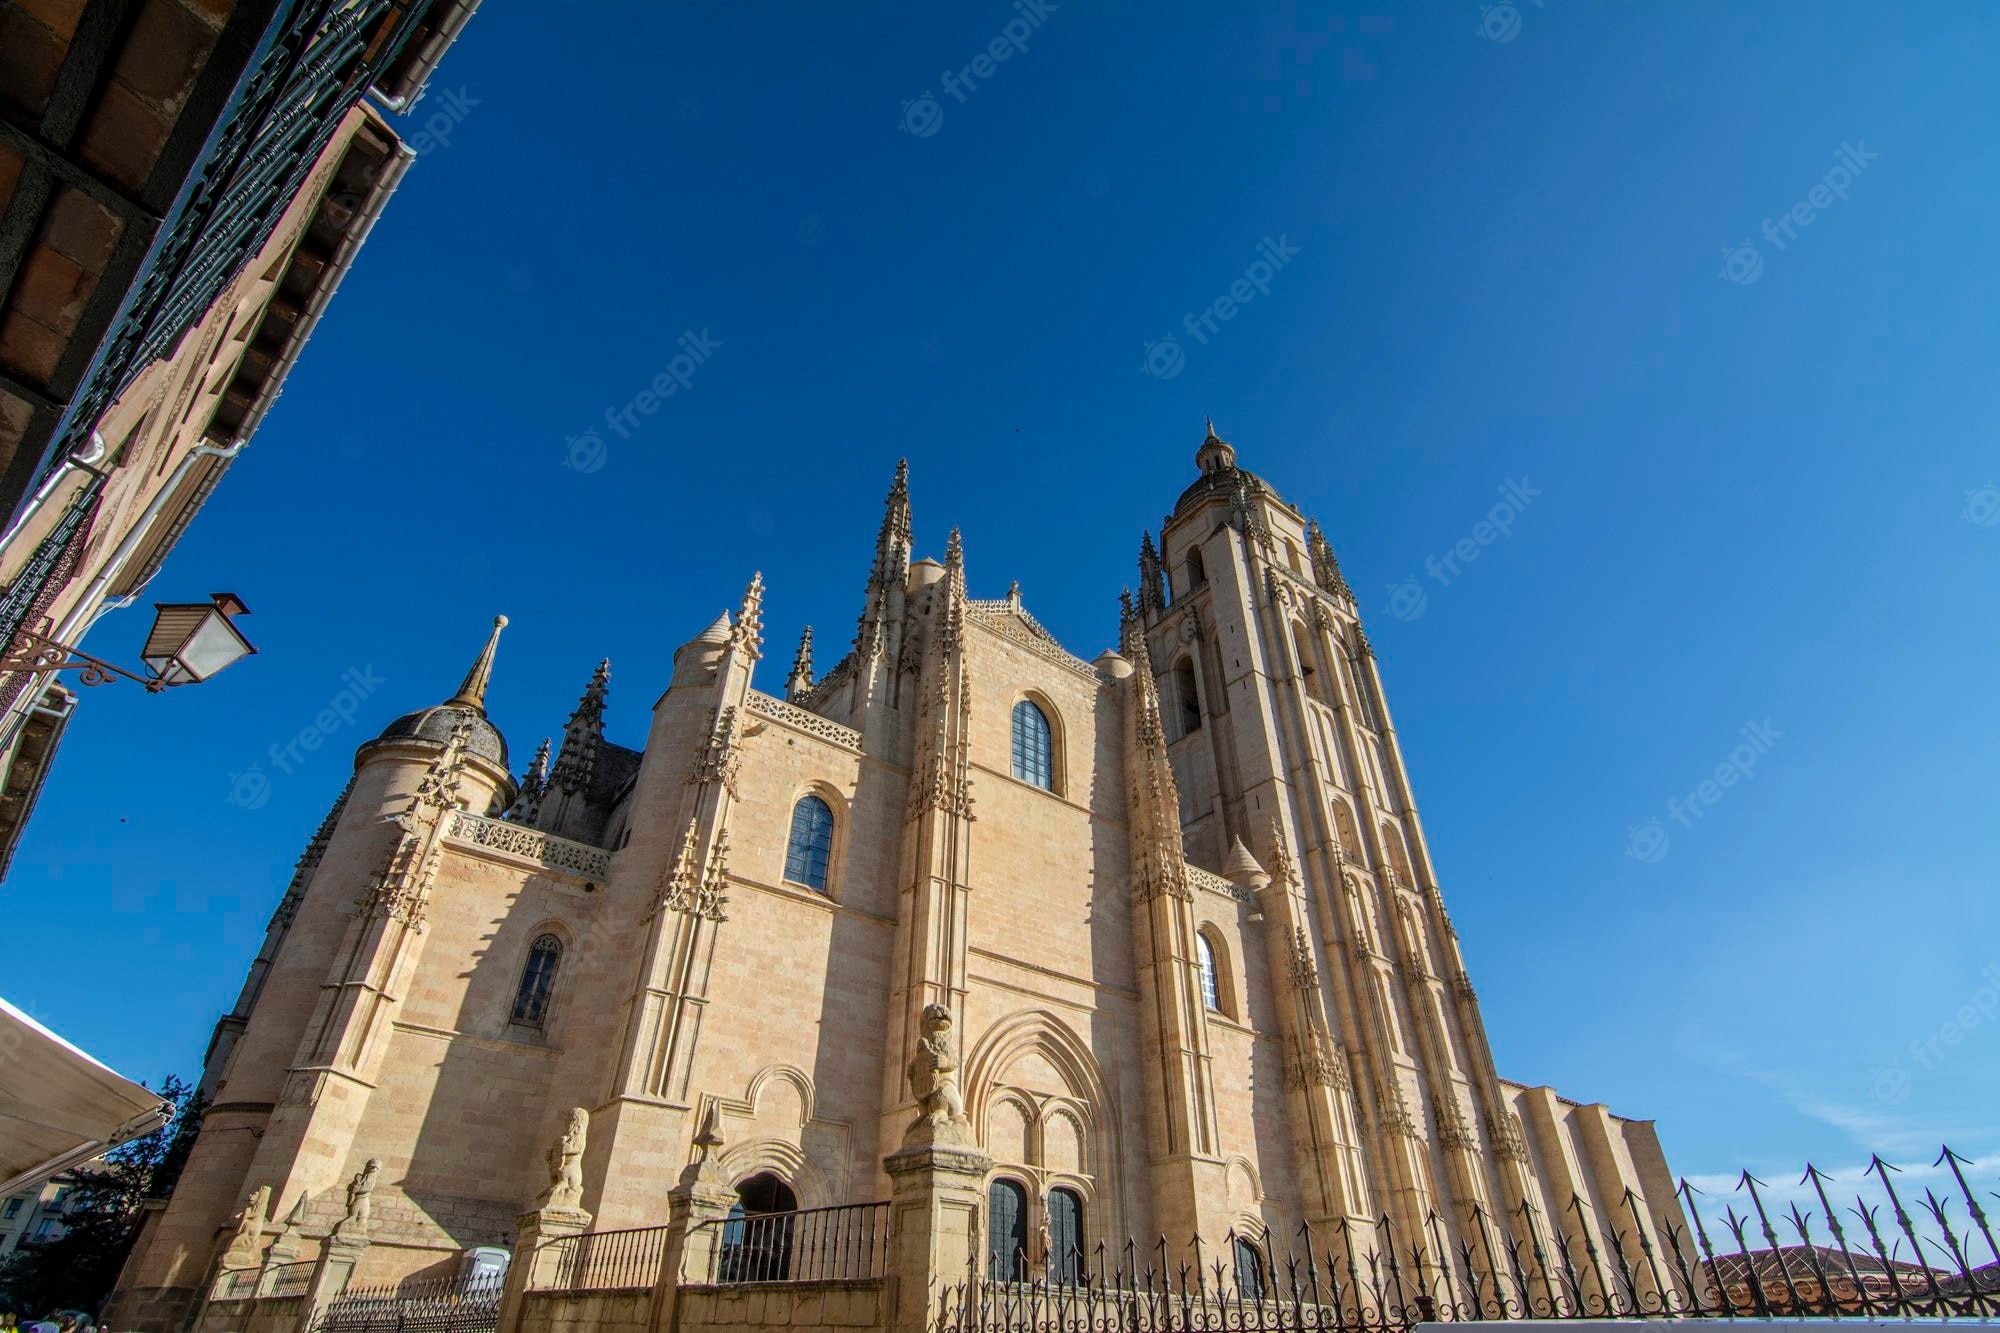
(933, 1074)
(245, 1245)
(359, 1206)
(566, 1164)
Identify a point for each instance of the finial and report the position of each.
(954, 551)
(1215, 453)
(801, 680)
(1014, 593)
(749, 631)
(472, 692)
(709, 1137)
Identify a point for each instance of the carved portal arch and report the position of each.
(1038, 1044)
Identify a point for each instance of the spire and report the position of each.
(472, 693)
(1215, 454)
(534, 784)
(1242, 868)
(891, 568)
(577, 759)
(1326, 569)
(749, 632)
(954, 556)
(1152, 595)
(800, 682)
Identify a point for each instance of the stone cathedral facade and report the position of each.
(1177, 902)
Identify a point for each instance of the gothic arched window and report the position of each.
(810, 846)
(1185, 696)
(1211, 986)
(538, 981)
(1034, 752)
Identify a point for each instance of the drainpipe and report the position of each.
(84, 457)
(85, 610)
(81, 613)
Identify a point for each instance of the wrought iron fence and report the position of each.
(234, 1284)
(842, 1243)
(601, 1260)
(434, 1305)
(1367, 1278)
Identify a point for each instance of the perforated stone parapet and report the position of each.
(556, 854)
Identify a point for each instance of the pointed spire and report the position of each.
(1152, 594)
(1242, 868)
(584, 733)
(954, 556)
(800, 682)
(891, 567)
(749, 632)
(534, 784)
(472, 692)
(1326, 569)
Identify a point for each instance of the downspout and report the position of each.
(86, 606)
(84, 457)
(85, 610)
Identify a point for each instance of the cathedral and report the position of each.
(1196, 972)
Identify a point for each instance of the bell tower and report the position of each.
(1280, 739)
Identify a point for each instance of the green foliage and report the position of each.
(78, 1271)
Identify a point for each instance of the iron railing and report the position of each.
(235, 1284)
(1363, 1278)
(293, 1279)
(842, 1243)
(602, 1260)
(433, 1305)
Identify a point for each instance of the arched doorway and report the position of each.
(1007, 1231)
(757, 1238)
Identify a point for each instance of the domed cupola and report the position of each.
(1220, 476)
(436, 723)
(1216, 454)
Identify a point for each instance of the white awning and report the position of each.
(59, 1107)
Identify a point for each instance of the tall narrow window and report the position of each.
(1006, 1231)
(1033, 752)
(810, 846)
(538, 981)
(1185, 695)
(1197, 573)
(1249, 1271)
(1065, 1257)
(1211, 989)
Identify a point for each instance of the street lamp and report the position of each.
(189, 642)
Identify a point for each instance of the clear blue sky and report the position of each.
(1751, 499)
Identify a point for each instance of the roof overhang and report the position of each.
(59, 1107)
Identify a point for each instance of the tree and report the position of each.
(101, 1218)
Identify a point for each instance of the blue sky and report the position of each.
(1752, 502)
